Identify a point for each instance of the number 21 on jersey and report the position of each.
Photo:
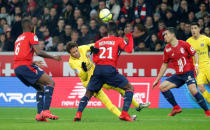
(104, 50)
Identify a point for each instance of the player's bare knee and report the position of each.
(162, 88)
(192, 88)
(51, 83)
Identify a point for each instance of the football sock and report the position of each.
(40, 101)
(208, 98)
(200, 100)
(205, 94)
(48, 92)
(82, 104)
(106, 101)
(127, 100)
(169, 97)
(134, 102)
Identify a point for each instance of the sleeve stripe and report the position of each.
(125, 42)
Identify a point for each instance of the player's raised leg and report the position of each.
(106, 101)
(48, 92)
(165, 89)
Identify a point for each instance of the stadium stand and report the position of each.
(58, 21)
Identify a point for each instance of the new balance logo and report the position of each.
(75, 95)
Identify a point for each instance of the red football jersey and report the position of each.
(23, 53)
(109, 49)
(180, 56)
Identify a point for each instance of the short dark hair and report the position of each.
(194, 24)
(25, 23)
(140, 27)
(112, 27)
(172, 30)
(71, 45)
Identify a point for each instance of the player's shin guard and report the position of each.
(40, 102)
(169, 97)
(82, 104)
(127, 100)
(48, 92)
(200, 100)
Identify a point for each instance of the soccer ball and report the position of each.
(105, 15)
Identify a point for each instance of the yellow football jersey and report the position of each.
(201, 46)
(76, 64)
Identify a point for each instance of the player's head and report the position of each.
(170, 34)
(112, 28)
(72, 49)
(195, 29)
(27, 25)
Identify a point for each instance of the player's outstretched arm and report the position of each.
(42, 53)
(160, 74)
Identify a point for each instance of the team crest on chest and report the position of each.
(182, 50)
(168, 49)
(202, 44)
(172, 54)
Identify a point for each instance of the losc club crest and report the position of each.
(182, 50)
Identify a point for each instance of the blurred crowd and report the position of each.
(58, 21)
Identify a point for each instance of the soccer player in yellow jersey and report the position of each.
(80, 62)
(201, 43)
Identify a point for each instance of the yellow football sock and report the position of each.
(106, 101)
(122, 92)
(205, 94)
(208, 97)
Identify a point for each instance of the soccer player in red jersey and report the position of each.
(105, 70)
(180, 53)
(30, 74)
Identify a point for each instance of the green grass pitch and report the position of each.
(102, 119)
